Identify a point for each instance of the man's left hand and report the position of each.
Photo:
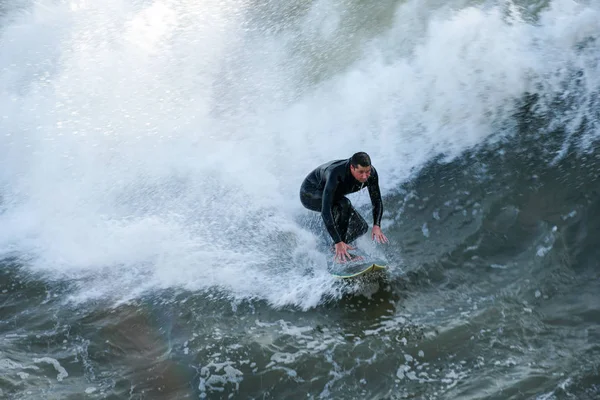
(378, 236)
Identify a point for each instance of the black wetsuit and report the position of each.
(324, 190)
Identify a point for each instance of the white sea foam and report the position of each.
(62, 372)
(154, 145)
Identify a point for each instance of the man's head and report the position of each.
(360, 166)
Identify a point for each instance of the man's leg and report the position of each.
(357, 226)
(349, 222)
(310, 197)
(312, 200)
(341, 216)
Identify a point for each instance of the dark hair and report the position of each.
(360, 158)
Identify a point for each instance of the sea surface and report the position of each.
(152, 242)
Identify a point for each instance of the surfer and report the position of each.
(325, 189)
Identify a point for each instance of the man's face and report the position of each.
(360, 173)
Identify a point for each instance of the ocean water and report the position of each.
(153, 246)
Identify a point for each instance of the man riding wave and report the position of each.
(324, 190)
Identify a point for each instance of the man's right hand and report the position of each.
(341, 252)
